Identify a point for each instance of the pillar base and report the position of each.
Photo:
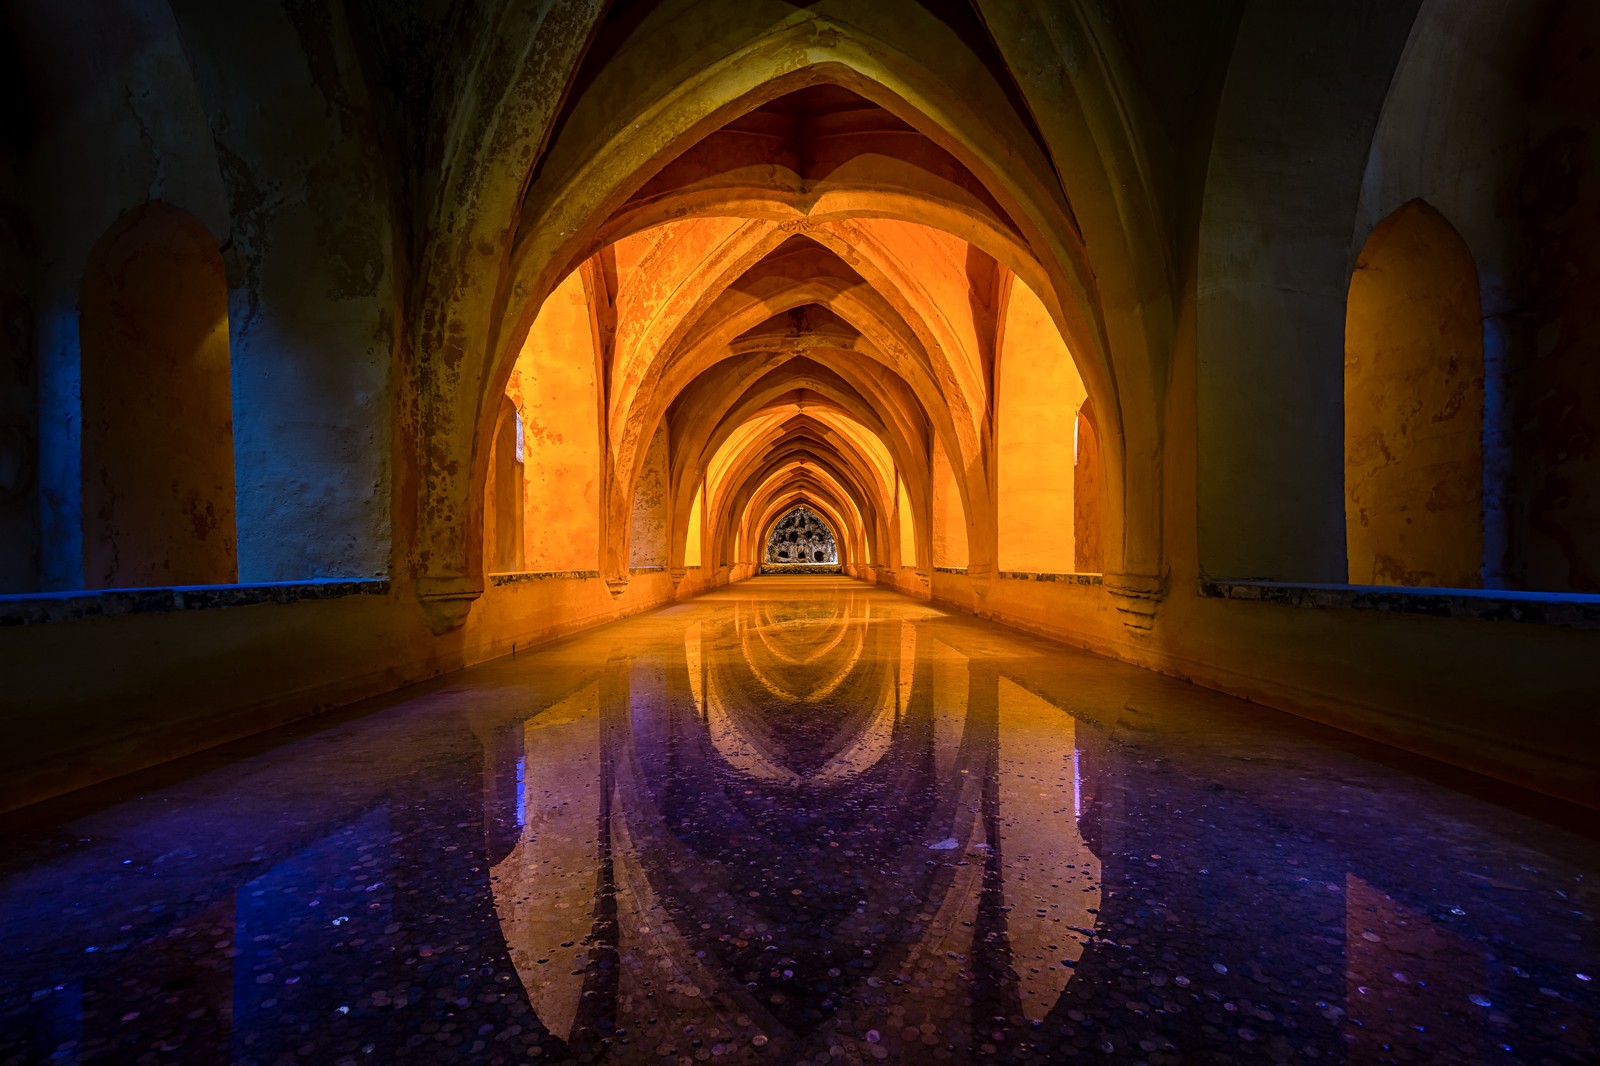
(446, 601)
(1137, 598)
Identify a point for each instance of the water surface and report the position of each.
(798, 820)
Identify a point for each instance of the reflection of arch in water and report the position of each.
(752, 702)
(765, 661)
(744, 751)
(751, 754)
(766, 629)
(779, 614)
(1001, 805)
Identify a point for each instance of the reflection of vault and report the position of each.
(608, 892)
(808, 676)
(750, 745)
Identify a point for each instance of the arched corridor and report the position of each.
(1237, 353)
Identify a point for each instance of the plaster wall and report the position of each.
(1413, 407)
(949, 518)
(1453, 132)
(554, 387)
(693, 535)
(1437, 686)
(313, 284)
(1431, 685)
(19, 419)
(116, 121)
(1088, 498)
(906, 579)
(503, 526)
(1298, 107)
(1555, 407)
(1039, 396)
(158, 490)
(647, 541)
(907, 527)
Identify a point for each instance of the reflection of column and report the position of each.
(908, 663)
(930, 993)
(52, 1020)
(306, 915)
(1052, 879)
(1409, 982)
(994, 992)
(949, 711)
(663, 983)
(545, 887)
(197, 987)
(602, 975)
(505, 783)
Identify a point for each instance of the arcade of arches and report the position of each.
(353, 343)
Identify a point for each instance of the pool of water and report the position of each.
(799, 820)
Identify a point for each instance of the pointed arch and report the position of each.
(595, 154)
(1413, 406)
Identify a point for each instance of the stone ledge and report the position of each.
(801, 568)
(38, 608)
(1570, 610)
(647, 569)
(1064, 579)
(517, 577)
(961, 570)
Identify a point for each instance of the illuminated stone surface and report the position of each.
(796, 820)
(801, 537)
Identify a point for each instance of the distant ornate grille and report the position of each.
(801, 536)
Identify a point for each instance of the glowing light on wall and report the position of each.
(1039, 385)
(554, 386)
(691, 548)
(908, 529)
(949, 517)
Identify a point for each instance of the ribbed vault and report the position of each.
(797, 249)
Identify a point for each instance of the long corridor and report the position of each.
(798, 820)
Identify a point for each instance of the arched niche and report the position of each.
(693, 534)
(555, 387)
(647, 541)
(503, 497)
(907, 525)
(157, 466)
(1040, 393)
(1413, 407)
(949, 517)
(1273, 261)
(1088, 495)
(20, 538)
